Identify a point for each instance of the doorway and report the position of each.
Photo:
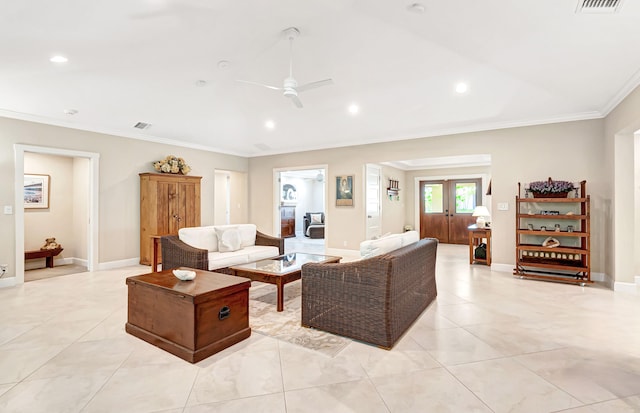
(92, 196)
(374, 201)
(300, 195)
(446, 208)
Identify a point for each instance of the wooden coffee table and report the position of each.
(280, 270)
(190, 319)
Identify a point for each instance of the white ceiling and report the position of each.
(526, 62)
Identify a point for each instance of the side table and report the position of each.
(476, 235)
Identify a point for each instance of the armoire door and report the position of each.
(446, 208)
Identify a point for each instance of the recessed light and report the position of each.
(223, 64)
(70, 112)
(461, 87)
(270, 124)
(59, 59)
(353, 109)
(201, 83)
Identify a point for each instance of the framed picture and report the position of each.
(36, 191)
(344, 190)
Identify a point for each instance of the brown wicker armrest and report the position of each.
(176, 253)
(268, 240)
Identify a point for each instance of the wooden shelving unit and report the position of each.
(571, 260)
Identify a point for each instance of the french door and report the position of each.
(446, 207)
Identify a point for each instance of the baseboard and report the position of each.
(349, 255)
(502, 267)
(118, 264)
(80, 261)
(637, 278)
(628, 288)
(7, 282)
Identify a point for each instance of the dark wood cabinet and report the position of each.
(167, 203)
(287, 221)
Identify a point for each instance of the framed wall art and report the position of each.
(344, 190)
(36, 191)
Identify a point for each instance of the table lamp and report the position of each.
(482, 213)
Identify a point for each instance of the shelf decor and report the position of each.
(393, 190)
(172, 165)
(550, 188)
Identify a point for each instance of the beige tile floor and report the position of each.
(490, 343)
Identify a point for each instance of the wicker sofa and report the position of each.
(199, 247)
(374, 300)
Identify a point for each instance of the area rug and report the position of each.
(285, 325)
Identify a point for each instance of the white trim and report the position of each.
(7, 282)
(478, 127)
(119, 264)
(628, 288)
(637, 279)
(502, 267)
(276, 195)
(93, 192)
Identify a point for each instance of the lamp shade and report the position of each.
(481, 211)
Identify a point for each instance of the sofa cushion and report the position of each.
(410, 237)
(316, 219)
(199, 237)
(260, 252)
(228, 239)
(219, 259)
(374, 247)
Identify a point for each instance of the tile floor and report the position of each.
(490, 343)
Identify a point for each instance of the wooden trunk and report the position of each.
(190, 319)
(167, 203)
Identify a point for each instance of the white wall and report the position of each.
(81, 206)
(121, 160)
(571, 151)
(393, 217)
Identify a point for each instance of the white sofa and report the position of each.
(387, 243)
(218, 246)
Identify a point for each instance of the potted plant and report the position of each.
(551, 188)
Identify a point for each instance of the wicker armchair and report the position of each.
(373, 300)
(176, 253)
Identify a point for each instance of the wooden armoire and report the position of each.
(167, 203)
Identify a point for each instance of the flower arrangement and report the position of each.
(551, 187)
(172, 165)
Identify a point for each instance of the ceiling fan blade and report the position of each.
(296, 101)
(259, 84)
(314, 85)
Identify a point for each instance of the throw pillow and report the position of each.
(316, 218)
(228, 239)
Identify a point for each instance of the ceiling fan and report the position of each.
(290, 86)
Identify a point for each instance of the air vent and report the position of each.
(262, 146)
(599, 6)
(142, 125)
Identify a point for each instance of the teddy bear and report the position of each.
(50, 244)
